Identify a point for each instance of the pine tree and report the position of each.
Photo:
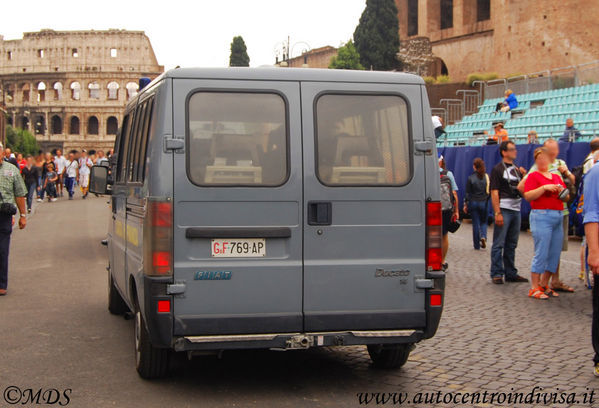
(377, 35)
(239, 56)
(347, 58)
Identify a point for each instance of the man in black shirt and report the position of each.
(506, 201)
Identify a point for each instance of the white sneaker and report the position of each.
(39, 200)
(53, 199)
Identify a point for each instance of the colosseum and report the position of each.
(69, 88)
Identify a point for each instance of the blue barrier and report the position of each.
(459, 160)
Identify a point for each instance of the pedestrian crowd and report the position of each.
(49, 175)
(560, 197)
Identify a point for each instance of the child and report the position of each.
(50, 185)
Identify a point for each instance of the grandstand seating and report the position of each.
(547, 116)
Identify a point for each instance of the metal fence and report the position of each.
(521, 138)
(556, 78)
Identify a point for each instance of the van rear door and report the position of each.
(364, 198)
(238, 207)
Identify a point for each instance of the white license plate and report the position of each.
(239, 248)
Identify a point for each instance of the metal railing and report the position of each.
(454, 109)
(556, 78)
(520, 138)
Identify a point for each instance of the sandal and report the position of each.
(562, 287)
(548, 291)
(537, 293)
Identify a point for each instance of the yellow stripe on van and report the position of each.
(132, 235)
(119, 229)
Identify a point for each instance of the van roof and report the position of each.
(294, 74)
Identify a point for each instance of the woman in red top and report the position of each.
(542, 189)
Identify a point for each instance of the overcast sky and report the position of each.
(196, 32)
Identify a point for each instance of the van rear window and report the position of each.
(237, 139)
(362, 140)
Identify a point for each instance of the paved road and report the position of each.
(57, 333)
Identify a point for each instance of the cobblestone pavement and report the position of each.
(57, 333)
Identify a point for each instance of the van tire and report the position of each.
(389, 356)
(150, 362)
(116, 304)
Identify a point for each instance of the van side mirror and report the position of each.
(98, 180)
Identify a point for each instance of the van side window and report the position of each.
(123, 147)
(143, 143)
(135, 137)
(362, 140)
(237, 139)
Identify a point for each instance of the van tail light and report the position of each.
(158, 238)
(434, 236)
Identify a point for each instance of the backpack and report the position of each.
(577, 210)
(447, 198)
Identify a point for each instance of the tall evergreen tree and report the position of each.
(377, 35)
(239, 55)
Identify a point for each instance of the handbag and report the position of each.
(454, 226)
(7, 208)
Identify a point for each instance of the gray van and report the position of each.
(278, 209)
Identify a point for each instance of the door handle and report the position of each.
(320, 213)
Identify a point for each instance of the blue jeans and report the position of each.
(69, 183)
(42, 190)
(31, 189)
(478, 211)
(548, 234)
(505, 241)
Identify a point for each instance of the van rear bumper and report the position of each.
(289, 341)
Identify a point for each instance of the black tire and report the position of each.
(150, 362)
(116, 304)
(389, 356)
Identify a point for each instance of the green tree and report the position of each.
(377, 35)
(347, 58)
(239, 55)
(21, 141)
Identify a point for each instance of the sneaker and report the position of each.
(595, 369)
(71, 197)
(29, 211)
(517, 279)
(54, 199)
(483, 243)
(39, 200)
(498, 280)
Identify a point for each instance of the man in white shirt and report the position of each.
(438, 126)
(71, 174)
(85, 165)
(60, 162)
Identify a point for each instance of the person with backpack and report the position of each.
(577, 205)
(591, 232)
(506, 200)
(476, 202)
(449, 205)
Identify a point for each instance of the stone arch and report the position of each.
(41, 91)
(132, 89)
(113, 90)
(25, 89)
(56, 125)
(24, 123)
(93, 126)
(74, 125)
(112, 125)
(39, 124)
(94, 90)
(75, 90)
(57, 86)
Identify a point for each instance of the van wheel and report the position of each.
(150, 362)
(389, 355)
(116, 304)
